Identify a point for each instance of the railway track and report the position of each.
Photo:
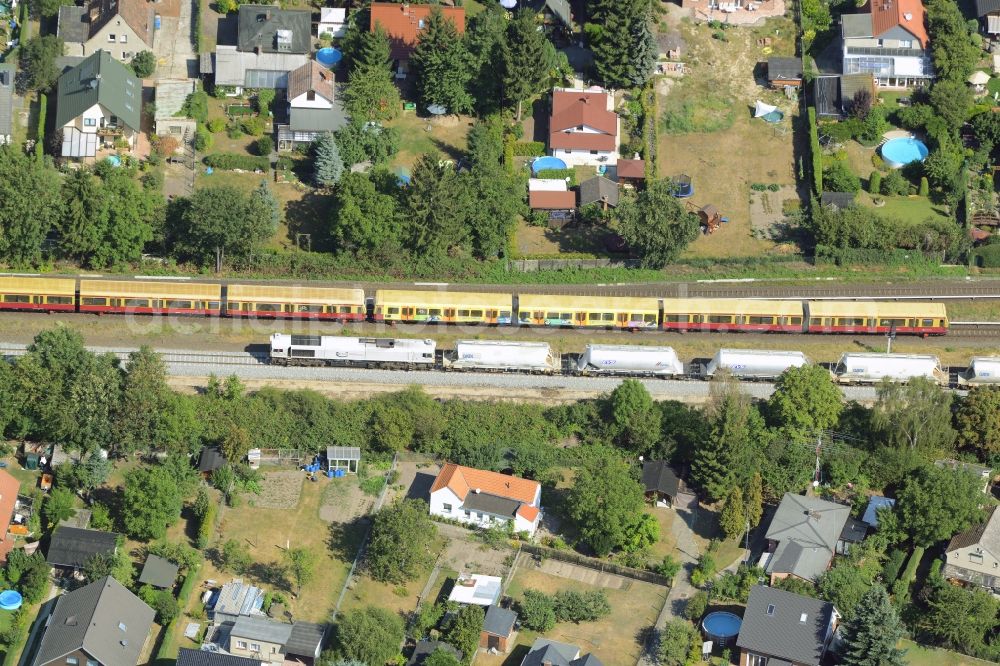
(975, 329)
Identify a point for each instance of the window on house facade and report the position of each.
(89, 122)
(92, 662)
(255, 647)
(123, 39)
(72, 661)
(446, 508)
(241, 644)
(976, 558)
(311, 95)
(111, 38)
(756, 660)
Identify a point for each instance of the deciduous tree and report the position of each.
(960, 618)
(934, 503)
(656, 225)
(805, 401)
(675, 643)
(31, 205)
(370, 635)
(916, 415)
(301, 565)
(605, 503)
(144, 64)
(850, 578)
(367, 219)
(978, 421)
(464, 629)
(635, 419)
(138, 419)
(400, 542)
(38, 62)
(224, 219)
(153, 503)
(236, 557)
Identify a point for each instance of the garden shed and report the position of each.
(346, 458)
(158, 572)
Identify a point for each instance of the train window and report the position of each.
(309, 308)
(212, 305)
(505, 314)
(853, 321)
(649, 318)
(720, 319)
(267, 307)
(344, 309)
(675, 318)
(524, 316)
(38, 300)
(463, 313)
(435, 312)
(551, 315)
(233, 306)
(594, 316)
(478, 314)
(566, 316)
(302, 353)
(93, 301)
(137, 302)
(796, 321)
(760, 320)
(307, 340)
(393, 311)
(891, 322)
(926, 322)
(180, 305)
(16, 298)
(818, 321)
(421, 311)
(59, 300)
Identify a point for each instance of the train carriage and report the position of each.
(295, 302)
(629, 360)
(588, 311)
(732, 314)
(981, 370)
(444, 307)
(871, 368)
(502, 356)
(907, 317)
(149, 297)
(38, 293)
(333, 350)
(754, 363)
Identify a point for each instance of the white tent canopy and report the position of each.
(979, 78)
(761, 109)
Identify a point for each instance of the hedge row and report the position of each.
(901, 588)
(987, 256)
(168, 646)
(871, 257)
(560, 174)
(207, 526)
(529, 148)
(232, 161)
(816, 152)
(43, 108)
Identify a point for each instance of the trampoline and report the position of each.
(547, 163)
(721, 627)
(682, 186)
(897, 153)
(328, 56)
(10, 600)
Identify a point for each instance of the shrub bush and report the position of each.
(925, 188)
(203, 139)
(816, 152)
(901, 588)
(988, 256)
(529, 148)
(216, 125)
(254, 126)
(890, 570)
(232, 161)
(894, 184)
(263, 146)
(696, 606)
(234, 130)
(285, 163)
(558, 173)
(573, 606)
(875, 183)
(206, 528)
(537, 611)
(838, 177)
(196, 106)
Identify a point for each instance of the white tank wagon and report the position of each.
(873, 368)
(982, 370)
(366, 352)
(754, 363)
(501, 356)
(629, 360)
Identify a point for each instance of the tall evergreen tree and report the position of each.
(263, 199)
(729, 456)
(755, 500)
(733, 518)
(437, 204)
(327, 165)
(874, 631)
(371, 93)
(483, 40)
(441, 65)
(622, 42)
(523, 59)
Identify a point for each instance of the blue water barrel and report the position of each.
(156, 22)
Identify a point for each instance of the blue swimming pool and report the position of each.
(328, 56)
(721, 627)
(114, 160)
(900, 152)
(10, 600)
(546, 163)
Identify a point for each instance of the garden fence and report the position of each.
(596, 564)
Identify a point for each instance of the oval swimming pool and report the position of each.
(900, 152)
(328, 56)
(721, 627)
(10, 600)
(546, 163)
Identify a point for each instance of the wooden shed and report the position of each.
(709, 218)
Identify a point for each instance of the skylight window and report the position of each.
(770, 609)
(803, 617)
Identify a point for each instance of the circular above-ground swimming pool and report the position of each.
(10, 600)
(328, 56)
(902, 151)
(547, 163)
(114, 160)
(721, 627)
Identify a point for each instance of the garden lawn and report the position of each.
(447, 137)
(615, 639)
(401, 599)
(909, 209)
(918, 655)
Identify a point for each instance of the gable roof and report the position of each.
(598, 189)
(631, 168)
(158, 572)
(424, 649)
(463, 480)
(267, 26)
(984, 7)
(305, 639)
(807, 530)
(189, 657)
(839, 200)
(79, 24)
(986, 535)
(561, 10)
(545, 651)
(261, 628)
(499, 621)
(402, 23)
(311, 76)
(784, 68)
(783, 633)
(874, 504)
(8, 487)
(906, 14)
(573, 108)
(659, 476)
(211, 459)
(826, 93)
(99, 79)
(104, 619)
(73, 546)
(549, 200)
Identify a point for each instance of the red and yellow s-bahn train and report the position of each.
(235, 299)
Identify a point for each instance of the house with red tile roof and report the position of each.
(121, 27)
(403, 23)
(584, 127)
(483, 499)
(9, 487)
(889, 40)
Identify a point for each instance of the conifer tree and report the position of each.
(622, 42)
(729, 455)
(371, 93)
(523, 59)
(733, 520)
(327, 165)
(874, 631)
(755, 500)
(442, 66)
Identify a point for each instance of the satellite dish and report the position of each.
(508, 4)
(437, 109)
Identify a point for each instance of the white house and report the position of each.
(313, 107)
(888, 40)
(483, 499)
(332, 21)
(584, 128)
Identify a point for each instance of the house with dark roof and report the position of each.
(270, 43)
(784, 628)
(555, 14)
(98, 106)
(424, 649)
(973, 556)
(663, 485)
(482, 498)
(403, 23)
(545, 652)
(98, 624)
(803, 537)
(599, 190)
(583, 127)
(889, 40)
(267, 640)
(784, 71)
(121, 27)
(313, 106)
(498, 629)
(189, 657)
(988, 14)
(71, 547)
(158, 572)
(7, 73)
(210, 459)
(826, 95)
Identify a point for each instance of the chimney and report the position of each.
(477, 491)
(256, 49)
(604, 202)
(814, 515)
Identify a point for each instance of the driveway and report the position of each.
(175, 56)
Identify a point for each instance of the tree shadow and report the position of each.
(310, 215)
(271, 573)
(346, 538)
(450, 151)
